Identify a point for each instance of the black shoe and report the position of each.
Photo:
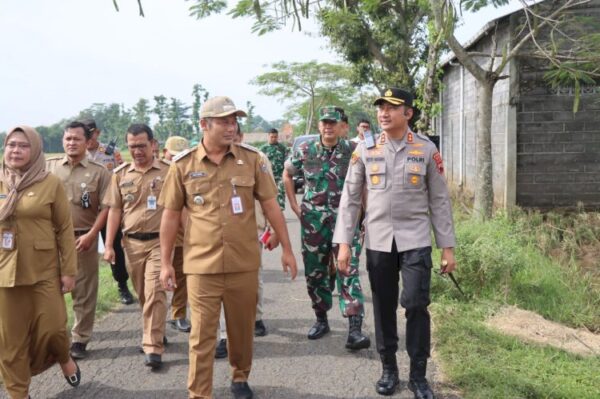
(125, 296)
(260, 330)
(153, 360)
(320, 328)
(165, 343)
(221, 351)
(78, 350)
(75, 379)
(421, 389)
(241, 390)
(181, 325)
(356, 340)
(389, 381)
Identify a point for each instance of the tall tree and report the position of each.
(309, 82)
(574, 59)
(177, 122)
(141, 111)
(160, 110)
(199, 94)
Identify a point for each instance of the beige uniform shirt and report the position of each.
(133, 190)
(86, 178)
(406, 196)
(217, 240)
(43, 236)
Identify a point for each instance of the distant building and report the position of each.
(543, 154)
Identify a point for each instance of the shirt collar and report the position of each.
(155, 165)
(201, 151)
(84, 162)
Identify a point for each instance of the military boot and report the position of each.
(417, 382)
(356, 340)
(389, 381)
(320, 328)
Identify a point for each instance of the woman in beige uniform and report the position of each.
(38, 265)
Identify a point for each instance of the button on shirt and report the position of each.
(217, 240)
(85, 177)
(406, 194)
(130, 190)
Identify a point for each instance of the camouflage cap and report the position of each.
(217, 107)
(330, 113)
(395, 96)
(176, 144)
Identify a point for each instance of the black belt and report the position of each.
(143, 236)
(79, 233)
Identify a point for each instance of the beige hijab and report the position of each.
(18, 180)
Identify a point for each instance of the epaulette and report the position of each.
(183, 154)
(165, 161)
(423, 136)
(58, 158)
(120, 167)
(95, 163)
(248, 147)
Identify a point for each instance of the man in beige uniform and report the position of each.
(133, 196)
(174, 146)
(406, 197)
(217, 183)
(85, 183)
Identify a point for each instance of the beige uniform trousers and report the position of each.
(143, 265)
(237, 292)
(33, 333)
(179, 300)
(85, 294)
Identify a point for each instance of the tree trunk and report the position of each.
(429, 85)
(484, 189)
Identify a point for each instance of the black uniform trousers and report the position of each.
(119, 271)
(384, 272)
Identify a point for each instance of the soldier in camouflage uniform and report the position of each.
(110, 158)
(277, 154)
(324, 163)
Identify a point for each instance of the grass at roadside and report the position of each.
(502, 262)
(108, 296)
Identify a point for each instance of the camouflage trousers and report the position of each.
(280, 193)
(320, 256)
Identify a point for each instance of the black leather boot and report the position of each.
(389, 381)
(356, 340)
(417, 382)
(320, 328)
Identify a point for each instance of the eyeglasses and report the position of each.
(134, 147)
(22, 146)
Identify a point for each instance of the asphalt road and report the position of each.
(286, 364)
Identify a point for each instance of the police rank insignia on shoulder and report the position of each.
(355, 157)
(183, 154)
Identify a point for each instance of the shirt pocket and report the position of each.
(129, 193)
(376, 176)
(78, 189)
(244, 188)
(44, 245)
(414, 176)
(196, 193)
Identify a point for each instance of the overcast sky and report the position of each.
(59, 57)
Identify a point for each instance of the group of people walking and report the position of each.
(196, 224)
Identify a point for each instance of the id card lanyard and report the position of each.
(151, 200)
(236, 202)
(8, 237)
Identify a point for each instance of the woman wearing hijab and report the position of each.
(38, 265)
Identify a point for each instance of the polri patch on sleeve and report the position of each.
(438, 162)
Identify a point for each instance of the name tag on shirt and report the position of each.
(151, 202)
(236, 205)
(8, 240)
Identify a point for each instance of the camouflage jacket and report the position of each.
(324, 172)
(277, 154)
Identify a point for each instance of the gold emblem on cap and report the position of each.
(375, 179)
(388, 93)
(375, 168)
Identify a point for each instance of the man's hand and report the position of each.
(296, 210)
(67, 283)
(84, 242)
(109, 254)
(167, 277)
(448, 262)
(343, 259)
(288, 261)
(273, 242)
